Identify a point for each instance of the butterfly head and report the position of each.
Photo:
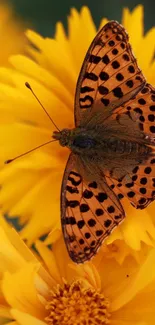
(63, 137)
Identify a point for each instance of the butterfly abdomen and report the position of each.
(90, 143)
(120, 146)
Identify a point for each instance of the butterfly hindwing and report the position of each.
(89, 213)
(138, 185)
(143, 108)
(109, 76)
(137, 116)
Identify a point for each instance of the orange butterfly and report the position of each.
(111, 145)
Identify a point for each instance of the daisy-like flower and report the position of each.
(11, 34)
(52, 291)
(31, 185)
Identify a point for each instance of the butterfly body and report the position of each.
(112, 145)
(98, 145)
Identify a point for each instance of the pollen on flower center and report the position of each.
(75, 305)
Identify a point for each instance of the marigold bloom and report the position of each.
(55, 291)
(31, 185)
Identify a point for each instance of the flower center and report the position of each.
(75, 305)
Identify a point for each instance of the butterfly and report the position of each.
(111, 146)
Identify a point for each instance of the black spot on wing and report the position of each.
(86, 102)
(94, 59)
(91, 76)
(86, 89)
(75, 178)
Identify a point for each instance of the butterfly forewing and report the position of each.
(109, 75)
(89, 213)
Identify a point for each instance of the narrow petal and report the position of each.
(126, 18)
(135, 24)
(23, 294)
(103, 22)
(145, 57)
(10, 257)
(49, 260)
(35, 38)
(81, 33)
(89, 273)
(25, 319)
(48, 200)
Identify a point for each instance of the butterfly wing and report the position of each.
(140, 109)
(138, 183)
(109, 76)
(90, 211)
(111, 90)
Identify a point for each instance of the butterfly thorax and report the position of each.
(77, 139)
(97, 142)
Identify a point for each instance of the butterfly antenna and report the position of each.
(30, 88)
(25, 153)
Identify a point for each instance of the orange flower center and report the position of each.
(75, 305)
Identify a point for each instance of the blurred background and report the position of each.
(42, 15)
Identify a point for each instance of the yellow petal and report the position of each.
(145, 57)
(30, 68)
(20, 292)
(26, 319)
(134, 23)
(35, 38)
(141, 280)
(4, 312)
(54, 235)
(11, 323)
(81, 34)
(89, 273)
(49, 260)
(103, 22)
(11, 33)
(49, 199)
(61, 36)
(137, 227)
(10, 257)
(127, 322)
(126, 18)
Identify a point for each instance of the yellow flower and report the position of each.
(54, 291)
(12, 36)
(31, 185)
